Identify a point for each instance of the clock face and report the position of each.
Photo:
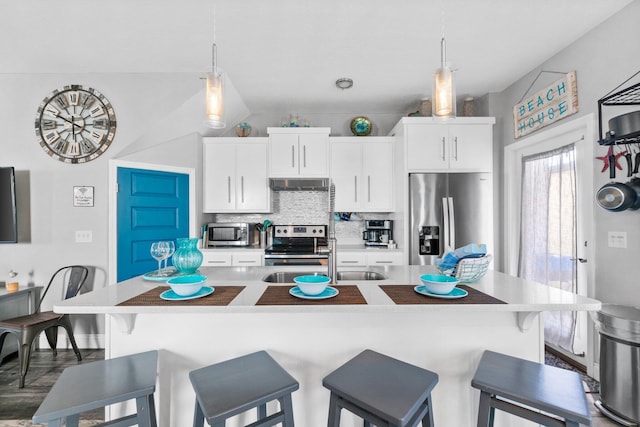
(75, 124)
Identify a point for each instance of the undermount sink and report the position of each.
(287, 276)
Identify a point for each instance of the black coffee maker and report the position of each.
(378, 232)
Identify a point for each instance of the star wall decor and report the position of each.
(605, 159)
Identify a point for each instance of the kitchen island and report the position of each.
(312, 339)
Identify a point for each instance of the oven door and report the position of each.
(293, 260)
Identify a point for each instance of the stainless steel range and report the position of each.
(297, 245)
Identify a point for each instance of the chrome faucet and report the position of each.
(332, 263)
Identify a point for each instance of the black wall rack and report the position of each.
(628, 96)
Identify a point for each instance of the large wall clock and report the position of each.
(75, 124)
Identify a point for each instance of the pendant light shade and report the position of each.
(215, 96)
(444, 92)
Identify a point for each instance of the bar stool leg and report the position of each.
(198, 416)
(427, 421)
(143, 414)
(286, 405)
(334, 411)
(152, 411)
(55, 423)
(366, 423)
(262, 411)
(485, 410)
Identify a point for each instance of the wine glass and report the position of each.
(170, 251)
(159, 251)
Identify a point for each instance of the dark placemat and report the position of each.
(279, 295)
(222, 295)
(404, 294)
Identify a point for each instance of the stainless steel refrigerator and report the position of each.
(448, 210)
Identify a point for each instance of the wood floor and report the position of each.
(17, 406)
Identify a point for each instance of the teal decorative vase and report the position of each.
(187, 258)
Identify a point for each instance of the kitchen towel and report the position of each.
(222, 295)
(404, 294)
(279, 295)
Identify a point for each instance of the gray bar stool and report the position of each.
(98, 384)
(521, 387)
(235, 386)
(381, 390)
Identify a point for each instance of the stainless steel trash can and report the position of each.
(619, 328)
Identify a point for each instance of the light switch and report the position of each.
(617, 239)
(84, 236)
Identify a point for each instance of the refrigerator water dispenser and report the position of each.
(429, 240)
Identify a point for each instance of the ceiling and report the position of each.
(286, 55)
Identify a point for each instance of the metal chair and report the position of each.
(27, 328)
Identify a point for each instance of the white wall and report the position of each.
(604, 58)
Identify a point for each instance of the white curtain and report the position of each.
(548, 232)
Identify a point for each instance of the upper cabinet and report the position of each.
(298, 152)
(362, 171)
(464, 144)
(235, 175)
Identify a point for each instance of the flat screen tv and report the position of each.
(8, 208)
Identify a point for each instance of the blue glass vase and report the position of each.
(187, 258)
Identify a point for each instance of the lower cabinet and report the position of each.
(213, 258)
(365, 258)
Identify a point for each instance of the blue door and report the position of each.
(152, 206)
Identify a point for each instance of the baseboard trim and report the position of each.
(579, 366)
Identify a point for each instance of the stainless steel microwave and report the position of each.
(231, 234)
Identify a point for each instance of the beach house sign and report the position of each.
(547, 106)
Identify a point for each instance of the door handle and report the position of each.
(443, 142)
(580, 260)
(455, 148)
(369, 188)
(242, 188)
(229, 189)
(304, 156)
(293, 156)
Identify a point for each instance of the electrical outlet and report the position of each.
(617, 239)
(84, 236)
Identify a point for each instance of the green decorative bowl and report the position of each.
(361, 126)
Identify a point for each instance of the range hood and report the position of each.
(299, 184)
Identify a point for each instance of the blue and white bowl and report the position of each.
(186, 285)
(438, 283)
(312, 284)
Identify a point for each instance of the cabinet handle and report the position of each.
(384, 262)
(355, 188)
(228, 189)
(242, 188)
(348, 262)
(304, 156)
(246, 262)
(216, 262)
(443, 142)
(293, 156)
(455, 148)
(369, 188)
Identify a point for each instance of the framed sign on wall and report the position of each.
(83, 196)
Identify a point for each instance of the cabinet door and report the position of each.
(219, 177)
(247, 259)
(216, 259)
(313, 155)
(471, 147)
(377, 177)
(384, 258)
(252, 186)
(346, 173)
(284, 155)
(427, 148)
(351, 259)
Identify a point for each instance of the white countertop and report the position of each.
(520, 295)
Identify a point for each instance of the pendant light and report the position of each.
(444, 91)
(214, 92)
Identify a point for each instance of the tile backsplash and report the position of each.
(306, 207)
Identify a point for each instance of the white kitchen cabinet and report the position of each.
(298, 152)
(362, 171)
(351, 259)
(355, 258)
(235, 175)
(384, 258)
(230, 258)
(462, 145)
